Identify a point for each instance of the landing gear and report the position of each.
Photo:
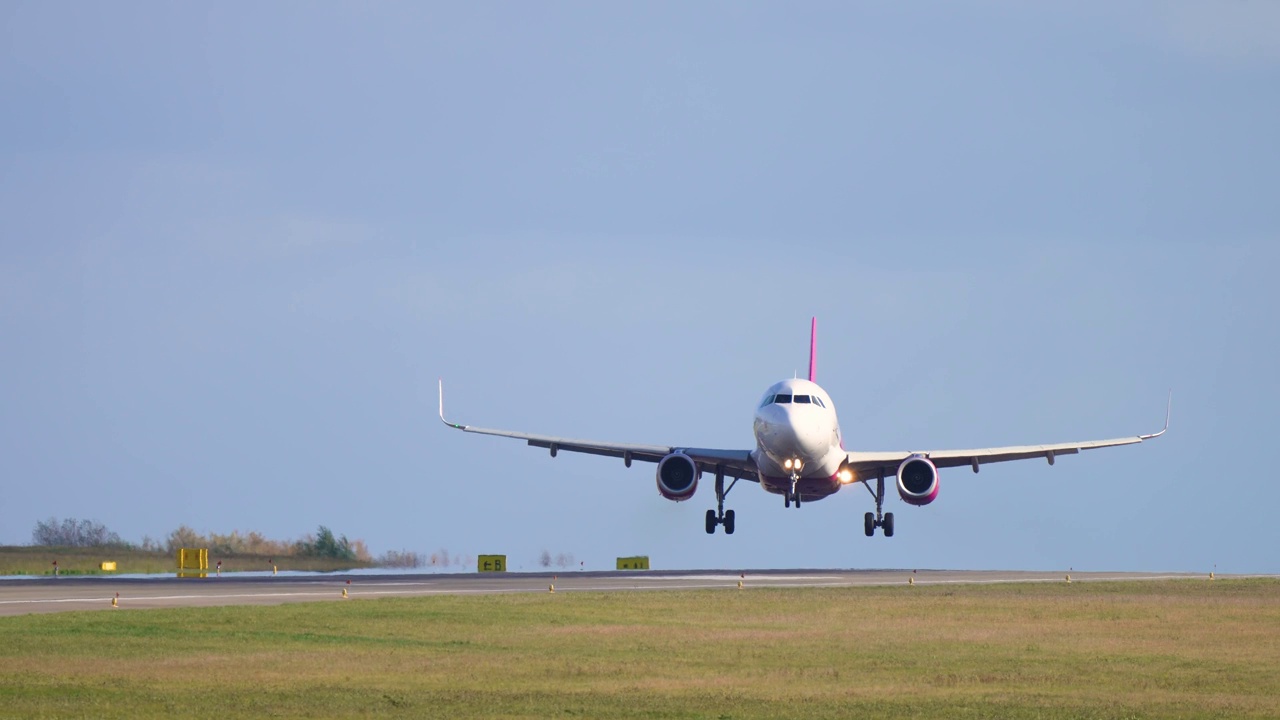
(879, 519)
(794, 495)
(720, 516)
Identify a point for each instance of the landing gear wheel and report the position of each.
(797, 499)
(712, 522)
(887, 524)
(786, 501)
(869, 524)
(728, 522)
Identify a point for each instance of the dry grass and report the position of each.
(1181, 649)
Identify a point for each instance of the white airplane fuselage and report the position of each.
(806, 433)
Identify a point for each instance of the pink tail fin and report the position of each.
(813, 350)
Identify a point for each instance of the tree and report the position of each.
(74, 533)
(325, 545)
(185, 537)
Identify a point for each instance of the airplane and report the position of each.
(800, 455)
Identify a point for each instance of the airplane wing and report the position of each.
(732, 463)
(867, 465)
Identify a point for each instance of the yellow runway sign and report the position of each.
(639, 562)
(193, 558)
(491, 563)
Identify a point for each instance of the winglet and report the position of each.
(813, 350)
(446, 422)
(1167, 411)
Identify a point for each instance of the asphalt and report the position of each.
(47, 595)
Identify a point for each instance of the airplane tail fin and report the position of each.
(813, 350)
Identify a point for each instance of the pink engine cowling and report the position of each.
(917, 480)
(677, 477)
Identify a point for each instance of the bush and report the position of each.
(401, 559)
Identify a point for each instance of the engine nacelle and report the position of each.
(677, 476)
(917, 480)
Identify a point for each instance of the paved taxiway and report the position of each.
(43, 595)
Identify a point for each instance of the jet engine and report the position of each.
(677, 476)
(917, 480)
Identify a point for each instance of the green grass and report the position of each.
(1169, 649)
(31, 560)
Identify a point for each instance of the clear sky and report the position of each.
(239, 244)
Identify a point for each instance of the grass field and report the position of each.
(35, 560)
(1168, 649)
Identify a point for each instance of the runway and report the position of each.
(47, 595)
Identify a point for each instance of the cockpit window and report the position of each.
(767, 399)
(818, 401)
(801, 399)
(782, 399)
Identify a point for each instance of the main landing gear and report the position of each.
(720, 516)
(879, 519)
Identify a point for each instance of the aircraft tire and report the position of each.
(869, 524)
(728, 522)
(711, 522)
(888, 525)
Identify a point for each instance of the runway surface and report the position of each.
(45, 595)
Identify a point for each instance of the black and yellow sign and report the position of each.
(492, 563)
(639, 562)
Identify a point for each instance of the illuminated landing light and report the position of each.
(845, 475)
(787, 464)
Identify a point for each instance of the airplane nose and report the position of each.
(794, 438)
(809, 442)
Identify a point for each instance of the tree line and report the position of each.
(75, 533)
(72, 532)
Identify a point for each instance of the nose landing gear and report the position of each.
(794, 495)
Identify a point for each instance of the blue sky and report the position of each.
(240, 245)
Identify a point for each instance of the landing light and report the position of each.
(787, 464)
(845, 475)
